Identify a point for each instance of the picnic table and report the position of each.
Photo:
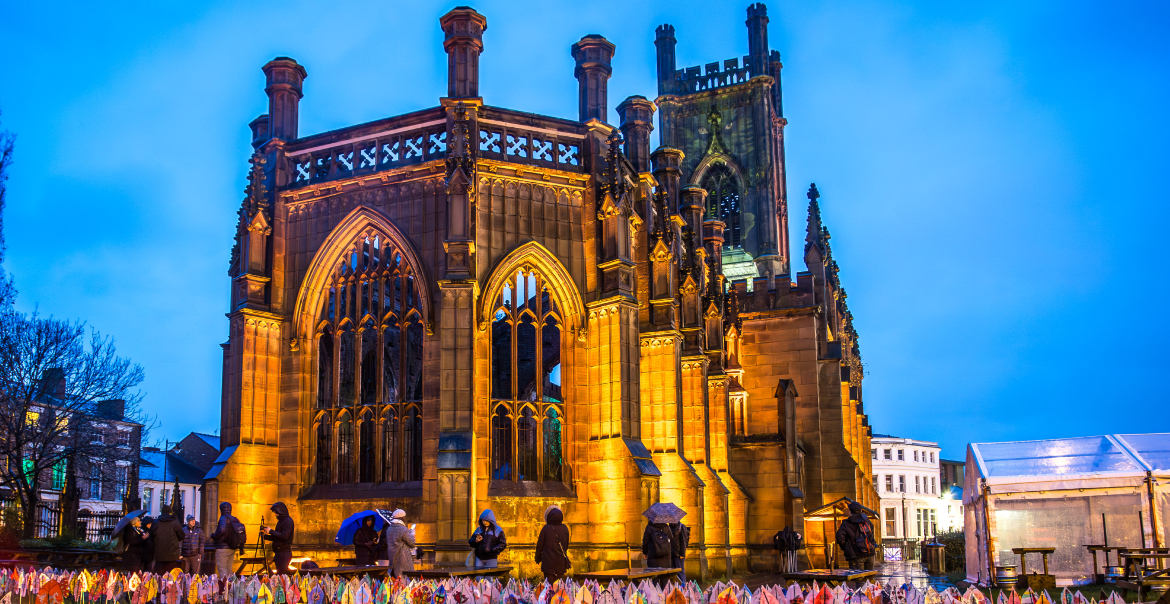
(829, 575)
(625, 574)
(1145, 579)
(247, 561)
(444, 572)
(348, 571)
(1093, 549)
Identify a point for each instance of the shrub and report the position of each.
(35, 544)
(955, 552)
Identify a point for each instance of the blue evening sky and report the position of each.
(993, 174)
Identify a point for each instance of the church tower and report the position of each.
(728, 122)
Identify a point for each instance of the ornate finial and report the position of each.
(460, 152)
(817, 236)
(715, 125)
(813, 193)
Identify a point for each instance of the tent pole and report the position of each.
(1153, 509)
(987, 531)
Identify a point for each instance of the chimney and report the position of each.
(53, 383)
(114, 409)
(664, 41)
(463, 40)
(259, 127)
(636, 115)
(285, 78)
(757, 24)
(593, 55)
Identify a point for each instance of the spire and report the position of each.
(817, 235)
(255, 204)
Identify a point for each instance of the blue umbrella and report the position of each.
(350, 525)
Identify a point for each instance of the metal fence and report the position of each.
(96, 526)
(48, 517)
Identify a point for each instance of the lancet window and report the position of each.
(368, 419)
(723, 202)
(527, 404)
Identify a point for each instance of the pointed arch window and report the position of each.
(369, 368)
(723, 202)
(527, 402)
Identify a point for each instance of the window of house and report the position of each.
(886, 453)
(723, 201)
(915, 455)
(902, 483)
(59, 475)
(166, 497)
(918, 522)
(917, 485)
(889, 483)
(873, 453)
(527, 402)
(368, 424)
(932, 525)
(901, 455)
(875, 481)
(933, 486)
(891, 522)
(148, 499)
(95, 482)
(932, 457)
(121, 481)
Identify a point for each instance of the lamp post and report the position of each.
(905, 528)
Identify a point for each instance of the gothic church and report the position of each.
(471, 307)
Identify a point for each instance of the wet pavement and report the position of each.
(897, 571)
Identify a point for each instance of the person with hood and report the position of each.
(855, 538)
(225, 540)
(134, 540)
(552, 546)
(680, 538)
(399, 542)
(658, 548)
(192, 547)
(168, 539)
(281, 537)
(365, 542)
(488, 541)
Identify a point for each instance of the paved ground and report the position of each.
(898, 572)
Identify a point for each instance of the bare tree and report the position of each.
(57, 381)
(7, 143)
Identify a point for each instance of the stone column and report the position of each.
(463, 40)
(593, 55)
(665, 42)
(636, 116)
(757, 24)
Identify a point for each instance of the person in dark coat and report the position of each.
(168, 538)
(134, 540)
(281, 537)
(148, 530)
(680, 537)
(399, 543)
(224, 541)
(192, 547)
(365, 542)
(856, 540)
(552, 546)
(488, 541)
(658, 549)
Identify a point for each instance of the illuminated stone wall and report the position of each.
(740, 404)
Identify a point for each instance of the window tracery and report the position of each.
(723, 202)
(368, 422)
(527, 405)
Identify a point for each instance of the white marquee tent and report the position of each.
(1064, 493)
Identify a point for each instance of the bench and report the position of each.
(458, 571)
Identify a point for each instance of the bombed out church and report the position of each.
(473, 307)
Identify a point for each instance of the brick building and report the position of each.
(471, 307)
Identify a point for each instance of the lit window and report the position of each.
(527, 414)
(891, 522)
(723, 200)
(59, 475)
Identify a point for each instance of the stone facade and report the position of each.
(471, 307)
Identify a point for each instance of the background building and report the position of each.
(185, 462)
(908, 477)
(471, 307)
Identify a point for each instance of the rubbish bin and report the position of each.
(932, 556)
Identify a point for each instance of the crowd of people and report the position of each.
(161, 544)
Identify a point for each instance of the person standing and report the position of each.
(168, 539)
(855, 538)
(488, 541)
(281, 537)
(680, 538)
(192, 549)
(552, 546)
(226, 539)
(399, 543)
(134, 541)
(365, 542)
(658, 549)
(148, 531)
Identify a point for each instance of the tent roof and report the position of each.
(835, 510)
(1078, 462)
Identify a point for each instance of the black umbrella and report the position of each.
(125, 521)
